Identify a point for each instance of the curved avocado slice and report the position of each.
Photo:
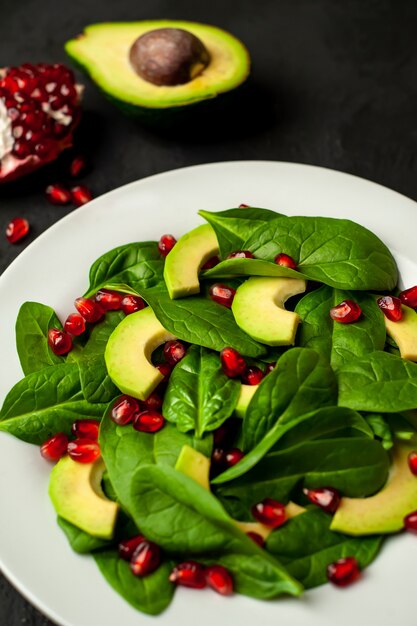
(102, 51)
(258, 308)
(128, 353)
(76, 493)
(404, 333)
(185, 259)
(246, 394)
(385, 511)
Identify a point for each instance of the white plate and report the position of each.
(34, 553)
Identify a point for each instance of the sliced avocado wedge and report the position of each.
(185, 259)
(195, 465)
(246, 394)
(404, 333)
(129, 350)
(258, 308)
(385, 511)
(76, 493)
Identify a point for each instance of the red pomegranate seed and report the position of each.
(109, 300)
(17, 229)
(59, 341)
(174, 351)
(189, 574)
(326, 498)
(412, 462)
(127, 547)
(233, 456)
(83, 450)
(226, 433)
(252, 375)
(131, 304)
(153, 402)
(165, 369)
(81, 195)
(244, 206)
(145, 559)
(166, 243)
(148, 421)
(78, 166)
(343, 572)
(218, 457)
(269, 512)
(240, 254)
(90, 310)
(409, 297)
(58, 194)
(124, 409)
(346, 312)
(285, 261)
(256, 538)
(211, 262)
(86, 429)
(391, 308)
(410, 522)
(222, 294)
(74, 324)
(233, 363)
(21, 150)
(219, 579)
(55, 447)
(269, 368)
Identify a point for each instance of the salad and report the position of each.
(234, 410)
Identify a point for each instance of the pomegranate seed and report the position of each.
(412, 462)
(109, 300)
(58, 194)
(218, 457)
(153, 402)
(74, 324)
(343, 572)
(233, 456)
(219, 579)
(21, 150)
(165, 369)
(86, 429)
(174, 351)
(124, 409)
(222, 294)
(55, 447)
(17, 229)
(285, 261)
(226, 433)
(45, 148)
(269, 368)
(410, 522)
(326, 498)
(233, 364)
(252, 375)
(59, 341)
(83, 450)
(148, 421)
(409, 297)
(269, 512)
(391, 308)
(240, 254)
(78, 166)
(127, 547)
(346, 312)
(256, 538)
(90, 310)
(131, 304)
(145, 559)
(244, 206)
(189, 574)
(81, 195)
(211, 262)
(166, 243)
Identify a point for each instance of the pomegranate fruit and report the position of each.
(219, 579)
(55, 447)
(109, 300)
(148, 421)
(174, 351)
(90, 310)
(409, 297)
(58, 194)
(233, 363)
(410, 522)
(166, 243)
(123, 410)
(165, 369)
(412, 462)
(153, 402)
(145, 559)
(269, 368)
(189, 574)
(233, 456)
(17, 229)
(211, 262)
(83, 450)
(87, 428)
(131, 304)
(81, 195)
(391, 308)
(252, 375)
(39, 110)
(127, 547)
(343, 572)
(285, 260)
(74, 324)
(346, 312)
(240, 254)
(256, 538)
(326, 498)
(78, 166)
(222, 294)
(269, 512)
(59, 341)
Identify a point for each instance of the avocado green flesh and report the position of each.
(129, 350)
(404, 333)
(385, 511)
(195, 465)
(246, 394)
(75, 491)
(185, 259)
(258, 309)
(103, 52)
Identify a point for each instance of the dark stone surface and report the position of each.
(334, 84)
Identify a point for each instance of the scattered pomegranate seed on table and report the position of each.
(148, 421)
(233, 456)
(410, 522)
(343, 572)
(80, 195)
(59, 341)
(166, 243)
(346, 312)
(109, 300)
(174, 351)
(269, 512)
(252, 375)
(326, 498)
(74, 324)
(90, 310)
(240, 254)
(256, 538)
(83, 450)
(123, 410)
(219, 579)
(285, 261)
(58, 194)
(233, 363)
(222, 294)
(211, 262)
(87, 428)
(391, 308)
(412, 462)
(189, 574)
(409, 297)
(17, 229)
(78, 166)
(55, 447)
(145, 559)
(131, 304)
(127, 547)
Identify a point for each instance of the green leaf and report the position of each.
(100, 334)
(96, 384)
(32, 325)
(169, 442)
(339, 253)
(46, 402)
(79, 540)
(200, 396)
(250, 267)
(381, 429)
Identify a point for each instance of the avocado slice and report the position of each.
(404, 333)
(76, 493)
(195, 465)
(128, 353)
(385, 511)
(258, 308)
(246, 394)
(104, 51)
(183, 263)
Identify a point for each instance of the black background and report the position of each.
(333, 84)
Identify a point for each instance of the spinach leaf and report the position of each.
(381, 429)
(251, 267)
(380, 382)
(200, 396)
(139, 265)
(32, 325)
(339, 253)
(96, 384)
(100, 334)
(151, 594)
(169, 442)
(186, 519)
(79, 540)
(46, 402)
(234, 226)
(306, 545)
(340, 343)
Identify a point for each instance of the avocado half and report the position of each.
(102, 51)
